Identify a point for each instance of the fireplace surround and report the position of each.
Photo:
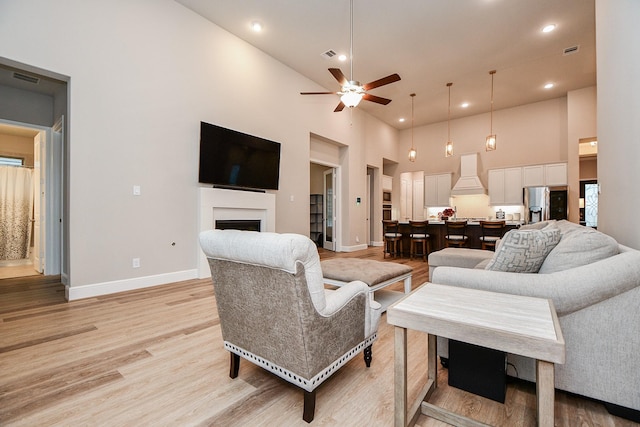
(224, 205)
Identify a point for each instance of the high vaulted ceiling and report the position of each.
(428, 43)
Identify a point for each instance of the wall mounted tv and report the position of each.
(229, 158)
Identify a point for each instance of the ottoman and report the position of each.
(459, 257)
(376, 274)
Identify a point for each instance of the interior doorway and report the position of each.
(324, 205)
(31, 97)
(31, 235)
(589, 189)
(329, 223)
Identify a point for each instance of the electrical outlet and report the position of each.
(136, 190)
(135, 263)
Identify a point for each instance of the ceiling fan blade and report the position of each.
(381, 82)
(337, 73)
(373, 98)
(318, 93)
(339, 108)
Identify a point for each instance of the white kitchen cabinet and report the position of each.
(555, 174)
(505, 186)
(437, 190)
(513, 186)
(533, 176)
(387, 183)
(406, 196)
(496, 186)
(418, 200)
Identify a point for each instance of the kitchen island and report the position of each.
(437, 230)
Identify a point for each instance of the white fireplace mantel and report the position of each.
(223, 204)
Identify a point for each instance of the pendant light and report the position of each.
(491, 139)
(448, 149)
(412, 152)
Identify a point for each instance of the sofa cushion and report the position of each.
(579, 245)
(538, 225)
(524, 251)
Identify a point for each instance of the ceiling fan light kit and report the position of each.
(352, 92)
(490, 143)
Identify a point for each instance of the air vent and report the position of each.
(570, 50)
(26, 78)
(329, 54)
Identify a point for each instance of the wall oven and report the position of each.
(386, 196)
(386, 212)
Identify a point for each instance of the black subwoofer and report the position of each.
(479, 370)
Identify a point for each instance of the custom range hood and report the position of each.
(468, 183)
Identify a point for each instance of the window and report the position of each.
(11, 161)
(591, 205)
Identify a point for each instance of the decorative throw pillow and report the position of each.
(524, 251)
(578, 246)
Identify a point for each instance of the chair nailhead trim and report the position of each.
(307, 384)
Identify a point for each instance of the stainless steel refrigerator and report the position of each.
(545, 203)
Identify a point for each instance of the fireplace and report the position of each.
(236, 208)
(238, 224)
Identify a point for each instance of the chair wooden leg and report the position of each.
(368, 356)
(234, 366)
(309, 405)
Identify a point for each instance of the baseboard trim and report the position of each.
(96, 289)
(375, 243)
(359, 247)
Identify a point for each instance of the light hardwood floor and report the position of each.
(154, 357)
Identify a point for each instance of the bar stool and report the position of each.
(492, 231)
(419, 236)
(392, 237)
(456, 233)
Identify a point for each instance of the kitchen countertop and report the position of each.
(470, 221)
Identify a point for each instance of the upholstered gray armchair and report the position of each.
(275, 311)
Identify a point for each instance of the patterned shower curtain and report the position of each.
(16, 205)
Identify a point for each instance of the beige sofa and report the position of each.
(595, 286)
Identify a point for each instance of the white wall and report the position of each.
(618, 125)
(529, 134)
(143, 74)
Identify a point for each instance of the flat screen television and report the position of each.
(229, 158)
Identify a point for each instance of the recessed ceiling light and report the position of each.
(548, 86)
(342, 57)
(256, 26)
(548, 28)
(464, 104)
(401, 119)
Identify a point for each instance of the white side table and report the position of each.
(515, 324)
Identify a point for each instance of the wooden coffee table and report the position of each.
(515, 324)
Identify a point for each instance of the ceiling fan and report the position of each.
(352, 91)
